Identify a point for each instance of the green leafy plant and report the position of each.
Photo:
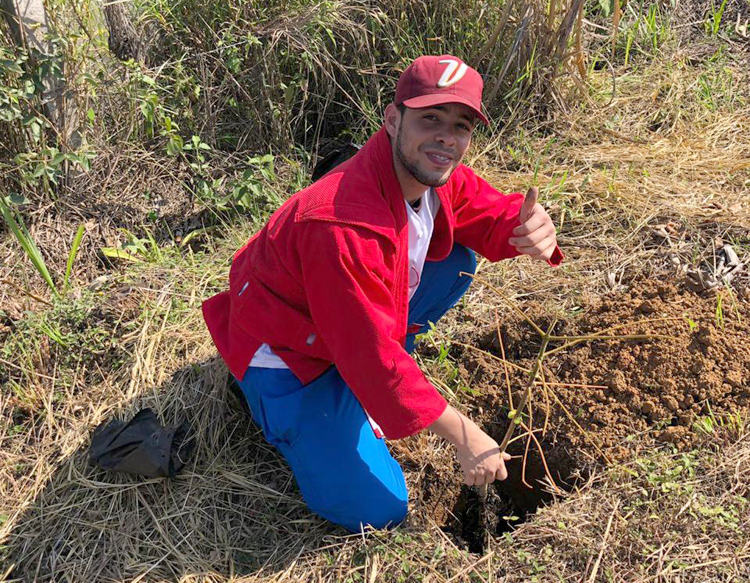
(254, 189)
(15, 223)
(692, 324)
(136, 249)
(38, 157)
(713, 23)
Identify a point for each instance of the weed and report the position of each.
(15, 223)
(711, 424)
(136, 249)
(692, 324)
(66, 334)
(713, 23)
(720, 311)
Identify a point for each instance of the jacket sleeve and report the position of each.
(485, 218)
(344, 272)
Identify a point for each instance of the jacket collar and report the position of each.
(378, 149)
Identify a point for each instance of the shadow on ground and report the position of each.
(233, 510)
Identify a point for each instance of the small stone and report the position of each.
(733, 378)
(670, 403)
(670, 434)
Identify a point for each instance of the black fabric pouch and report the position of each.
(141, 446)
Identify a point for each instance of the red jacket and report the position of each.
(326, 281)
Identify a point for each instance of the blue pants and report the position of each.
(344, 472)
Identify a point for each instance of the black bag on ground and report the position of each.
(141, 446)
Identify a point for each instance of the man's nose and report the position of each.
(446, 138)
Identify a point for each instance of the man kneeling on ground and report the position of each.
(324, 303)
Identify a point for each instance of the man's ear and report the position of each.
(392, 120)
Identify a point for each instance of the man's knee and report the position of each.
(360, 513)
(463, 259)
(384, 515)
(388, 516)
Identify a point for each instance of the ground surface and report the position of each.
(646, 438)
(599, 396)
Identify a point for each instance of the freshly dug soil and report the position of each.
(656, 387)
(699, 364)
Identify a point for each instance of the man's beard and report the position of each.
(419, 175)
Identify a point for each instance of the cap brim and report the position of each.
(440, 99)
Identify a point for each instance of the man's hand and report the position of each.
(477, 452)
(481, 460)
(535, 236)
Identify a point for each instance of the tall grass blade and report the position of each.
(716, 21)
(27, 243)
(72, 256)
(615, 26)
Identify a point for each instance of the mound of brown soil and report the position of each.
(692, 360)
(695, 363)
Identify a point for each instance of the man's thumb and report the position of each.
(528, 204)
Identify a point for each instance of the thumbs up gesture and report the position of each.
(535, 236)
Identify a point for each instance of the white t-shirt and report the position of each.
(421, 226)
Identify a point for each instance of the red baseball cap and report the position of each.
(434, 80)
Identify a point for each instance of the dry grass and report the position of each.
(616, 171)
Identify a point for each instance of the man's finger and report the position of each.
(528, 204)
(536, 221)
(542, 249)
(532, 238)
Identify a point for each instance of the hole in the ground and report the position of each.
(509, 503)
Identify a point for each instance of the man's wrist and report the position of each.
(454, 427)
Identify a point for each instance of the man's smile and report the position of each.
(440, 159)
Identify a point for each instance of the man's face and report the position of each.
(431, 141)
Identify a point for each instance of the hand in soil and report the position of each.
(535, 236)
(481, 459)
(479, 455)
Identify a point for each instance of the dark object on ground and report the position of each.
(141, 446)
(333, 159)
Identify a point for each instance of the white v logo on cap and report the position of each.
(448, 77)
